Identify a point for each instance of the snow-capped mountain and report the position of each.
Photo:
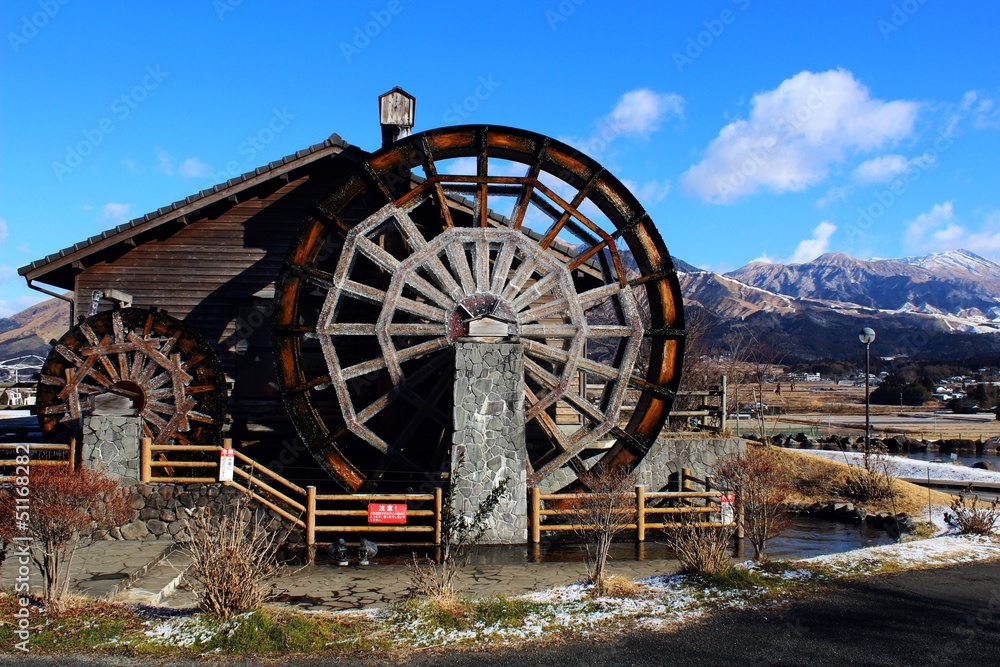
(935, 305)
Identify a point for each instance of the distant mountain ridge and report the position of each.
(933, 305)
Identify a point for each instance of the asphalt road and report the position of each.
(947, 616)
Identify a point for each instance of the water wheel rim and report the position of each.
(383, 181)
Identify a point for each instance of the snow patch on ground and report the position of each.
(914, 469)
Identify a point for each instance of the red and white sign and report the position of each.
(387, 513)
(227, 458)
(727, 501)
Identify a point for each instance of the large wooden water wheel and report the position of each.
(443, 228)
(134, 361)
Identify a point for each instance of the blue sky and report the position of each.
(748, 129)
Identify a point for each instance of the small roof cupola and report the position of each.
(396, 110)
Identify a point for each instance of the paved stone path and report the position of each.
(102, 569)
(327, 587)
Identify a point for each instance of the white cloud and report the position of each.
(794, 134)
(807, 249)
(116, 213)
(981, 110)
(937, 230)
(193, 167)
(811, 248)
(832, 195)
(650, 192)
(3, 230)
(884, 168)
(637, 114)
(164, 162)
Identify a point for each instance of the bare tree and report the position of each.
(761, 481)
(65, 508)
(604, 510)
(752, 358)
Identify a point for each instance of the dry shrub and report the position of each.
(619, 587)
(62, 511)
(762, 483)
(974, 518)
(700, 549)
(234, 559)
(875, 480)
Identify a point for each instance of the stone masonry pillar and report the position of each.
(111, 444)
(489, 432)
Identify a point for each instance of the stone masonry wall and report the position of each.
(159, 511)
(665, 458)
(111, 444)
(489, 435)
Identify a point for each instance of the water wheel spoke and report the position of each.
(520, 277)
(550, 330)
(501, 267)
(482, 264)
(553, 308)
(52, 380)
(460, 265)
(349, 329)
(444, 278)
(429, 329)
(89, 334)
(364, 368)
(599, 294)
(538, 290)
(609, 331)
(364, 292)
(377, 254)
(431, 292)
(421, 309)
(422, 349)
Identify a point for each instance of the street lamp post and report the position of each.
(867, 336)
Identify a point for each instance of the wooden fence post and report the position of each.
(310, 525)
(534, 514)
(640, 512)
(438, 496)
(685, 483)
(145, 457)
(72, 454)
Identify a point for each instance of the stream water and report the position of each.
(804, 538)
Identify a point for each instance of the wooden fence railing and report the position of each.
(301, 506)
(651, 508)
(51, 455)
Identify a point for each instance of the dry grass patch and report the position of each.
(819, 480)
(617, 586)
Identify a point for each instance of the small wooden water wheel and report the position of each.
(134, 361)
(476, 224)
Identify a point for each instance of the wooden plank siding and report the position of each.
(209, 272)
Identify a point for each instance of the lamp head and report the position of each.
(867, 336)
